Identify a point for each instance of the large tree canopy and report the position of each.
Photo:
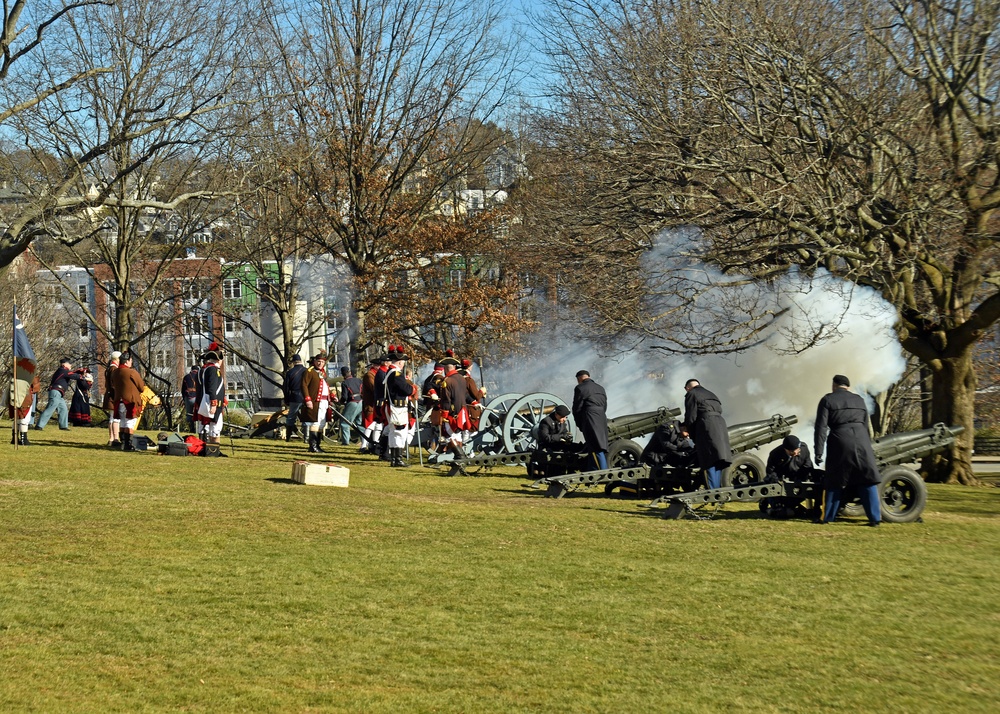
(861, 138)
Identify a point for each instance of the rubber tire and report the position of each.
(902, 495)
(623, 454)
(745, 469)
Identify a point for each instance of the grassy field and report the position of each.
(138, 582)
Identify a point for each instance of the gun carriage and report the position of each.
(520, 431)
(902, 492)
(643, 480)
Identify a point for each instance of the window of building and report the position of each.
(84, 329)
(230, 324)
(197, 324)
(193, 290)
(53, 293)
(457, 278)
(161, 360)
(232, 288)
(236, 391)
(81, 291)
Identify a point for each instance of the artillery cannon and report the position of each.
(641, 479)
(622, 451)
(902, 492)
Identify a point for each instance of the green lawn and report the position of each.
(138, 582)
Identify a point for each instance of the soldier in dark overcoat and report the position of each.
(590, 412)
(789, 462)
(670, 445)
(842, 425)
(703, 416)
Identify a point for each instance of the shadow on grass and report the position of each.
(283, 480)
(719, 516)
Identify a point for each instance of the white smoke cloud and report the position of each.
(769, 379)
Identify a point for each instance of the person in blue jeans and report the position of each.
(350, 400)
(57, 391)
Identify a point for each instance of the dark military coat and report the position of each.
(456, 394)
(842, 426)
(703, 416)
(783, 467)
(552, 433)
(667, 446)
(590, 412)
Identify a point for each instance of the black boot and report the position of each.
(319, 439)
(127, 441)
(397, 457)
(459, 451)
(313, 448)
(22, 438)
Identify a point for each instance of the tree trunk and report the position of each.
(953, 396)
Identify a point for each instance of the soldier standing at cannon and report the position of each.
(590, 412)
(842, 425)
(703, 415)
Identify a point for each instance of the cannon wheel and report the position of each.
(489, 438)
(902, 494)
(623, 454)
(523, 417)
(743, 471)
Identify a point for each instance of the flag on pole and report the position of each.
(24, 356)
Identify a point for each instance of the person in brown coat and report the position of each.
(316, 392)
(25, 411)
(109, 400)
(127, 386)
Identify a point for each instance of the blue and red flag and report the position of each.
(24, 356)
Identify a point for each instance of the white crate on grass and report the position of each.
(320, 474)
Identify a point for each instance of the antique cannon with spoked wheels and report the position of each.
(640, 479)
(520, 433)
(902, 492)
(507, 427)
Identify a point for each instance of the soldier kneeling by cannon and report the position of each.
(670, 446)
(556, 452)
(791, 461)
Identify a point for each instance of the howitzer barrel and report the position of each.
(912, 445)
(633, 425)
(744, 437)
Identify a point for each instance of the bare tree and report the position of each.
(122, 166)
(389, 96)
(857, 139)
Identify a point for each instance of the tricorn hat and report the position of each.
(209, 356)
